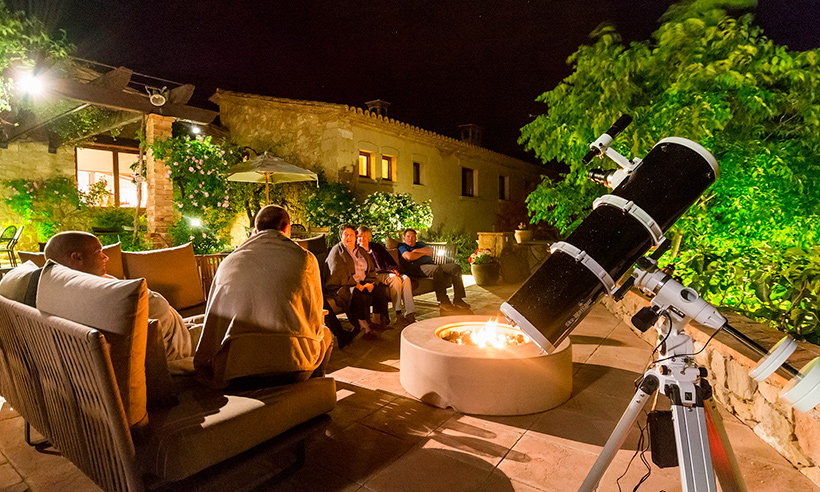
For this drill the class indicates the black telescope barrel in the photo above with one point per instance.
(558, 295)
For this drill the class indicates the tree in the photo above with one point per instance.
(24, 48)
(716, 79)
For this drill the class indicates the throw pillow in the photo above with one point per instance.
(118, 309)
(15, 284)
(173, 272)
(391, 243)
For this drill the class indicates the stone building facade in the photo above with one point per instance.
(468, 185)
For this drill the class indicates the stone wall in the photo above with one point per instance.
(159, 208)
(793, 434)
(31, 160)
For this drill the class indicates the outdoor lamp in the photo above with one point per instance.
(31, 84)
(195, 222)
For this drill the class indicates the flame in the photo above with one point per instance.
(489, 336)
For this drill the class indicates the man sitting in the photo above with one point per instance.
(419, 262)
(263, 324)
(82, 251)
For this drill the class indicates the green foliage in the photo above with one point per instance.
(719, 81)
(197, 169)
(120, 220)
(390, 213)
(330, 205)
(481, 257)
(48, 205)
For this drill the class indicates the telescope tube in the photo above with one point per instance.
(558, 295)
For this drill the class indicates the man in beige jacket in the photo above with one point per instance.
(263, 323)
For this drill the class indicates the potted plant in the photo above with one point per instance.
(484, 267)
(523, 234)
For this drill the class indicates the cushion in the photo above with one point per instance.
(114, 265)
(15, 284)
(172, 272)
(159, 389)
(181, 439)
(39, 259)
(391, 243)
(118, 309)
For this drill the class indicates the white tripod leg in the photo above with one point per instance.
(618, 436)
(694, 456)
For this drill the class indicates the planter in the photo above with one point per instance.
(523, 236)
(486, 274)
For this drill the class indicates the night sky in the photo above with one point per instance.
(440, 63)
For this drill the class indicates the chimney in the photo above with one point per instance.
(471, 134)
(378, 106)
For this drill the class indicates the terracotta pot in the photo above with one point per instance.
(523, 236)
(486, 274)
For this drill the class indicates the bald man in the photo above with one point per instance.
(82, 251)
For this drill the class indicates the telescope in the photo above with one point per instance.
(649, 196)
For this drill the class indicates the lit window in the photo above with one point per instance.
(388, 168)
(416, 173)
(467, 182)
(365, 164)
(503, 187)
(113, 167)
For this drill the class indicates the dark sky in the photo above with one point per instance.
(440, 63)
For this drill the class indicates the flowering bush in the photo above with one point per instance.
(197, 169)
(482, 257)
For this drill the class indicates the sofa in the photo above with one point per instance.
(94, 382)
(182, 277)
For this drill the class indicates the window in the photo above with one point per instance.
(113, 167)
(503, 187)
(365, 164)
(417, 173)
(388, 168)
(467, 182)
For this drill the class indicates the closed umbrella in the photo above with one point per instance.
(269, 169)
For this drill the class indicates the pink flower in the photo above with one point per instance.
(206, 194)
(190, 196)
(35, 185)
(191, 168)
(56, 192)
(204, 236)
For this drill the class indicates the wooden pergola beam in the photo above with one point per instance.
(125, 101)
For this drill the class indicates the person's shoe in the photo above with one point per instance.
(401, 320)
(410, 318)
(370, 336)
(377, 326)
(461, 304)
(446, 308)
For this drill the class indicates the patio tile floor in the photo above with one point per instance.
(384, 440)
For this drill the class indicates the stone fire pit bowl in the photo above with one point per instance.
(515, 380)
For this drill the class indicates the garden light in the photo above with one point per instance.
(31, 84)
(195, 222)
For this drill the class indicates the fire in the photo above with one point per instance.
(488, 335)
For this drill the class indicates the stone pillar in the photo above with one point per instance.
(160, 203)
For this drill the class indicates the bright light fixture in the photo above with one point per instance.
(195, 130)
(30, 84)
(195, 222)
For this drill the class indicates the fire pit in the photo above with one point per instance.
(449, 362)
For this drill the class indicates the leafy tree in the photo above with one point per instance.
(716, 79)
(24, 48)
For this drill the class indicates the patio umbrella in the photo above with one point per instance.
(269, 169)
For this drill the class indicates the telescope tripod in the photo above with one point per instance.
(694, 417)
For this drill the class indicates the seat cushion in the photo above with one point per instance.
(117, 308)
(172, 272)
(114, 265)
(209, 426)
